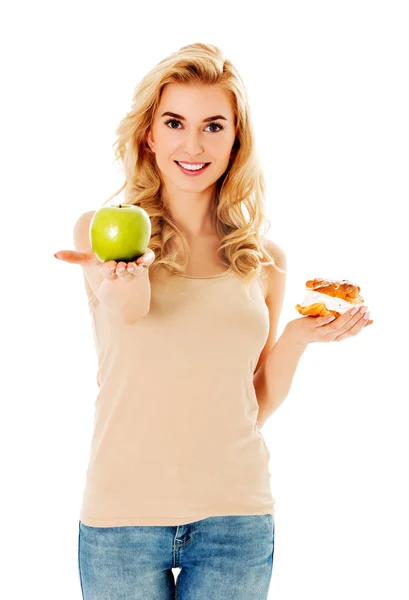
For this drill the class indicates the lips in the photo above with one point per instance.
(192, 172)
(179, 162)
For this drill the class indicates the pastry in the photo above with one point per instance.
(324, 297)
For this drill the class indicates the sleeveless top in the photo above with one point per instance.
(176, 437)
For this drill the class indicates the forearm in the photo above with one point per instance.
(272, 381)
(127, 300)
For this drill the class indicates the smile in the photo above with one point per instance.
(194, 169)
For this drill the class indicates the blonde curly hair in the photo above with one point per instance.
(240, 188)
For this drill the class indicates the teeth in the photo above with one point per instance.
(192, 167)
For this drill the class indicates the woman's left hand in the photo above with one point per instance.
(307, 330)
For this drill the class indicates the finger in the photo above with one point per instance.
(131, 268)
(368, 322)
(146, 259)
(354, 326)
(345, 321)
(122, 271)
(321, 321)
(358, 320)
(141, 266)
(108, 269)
(140, 262)
(86, 256)
(134, 268)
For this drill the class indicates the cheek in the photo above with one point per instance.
(168, 142)
(220, 148)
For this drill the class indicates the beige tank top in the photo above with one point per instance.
(175, 435)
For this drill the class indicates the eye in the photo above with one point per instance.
(217, 125)
(177, 121)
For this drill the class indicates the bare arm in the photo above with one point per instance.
(125, 293)
(274, 378)
(131, 299)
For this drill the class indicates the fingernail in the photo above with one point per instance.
(355, 310)
(331, 318)
(56, 255)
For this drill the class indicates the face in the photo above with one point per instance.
(195, 138)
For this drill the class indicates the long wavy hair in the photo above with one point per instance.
(239, 216)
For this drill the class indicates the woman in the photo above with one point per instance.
(189, 368)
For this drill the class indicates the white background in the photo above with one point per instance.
(328, 89)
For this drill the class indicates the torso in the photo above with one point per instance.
(204, 260)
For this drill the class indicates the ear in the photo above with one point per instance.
(149, 141)
(233, 150)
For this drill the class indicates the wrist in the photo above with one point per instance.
(294, 339)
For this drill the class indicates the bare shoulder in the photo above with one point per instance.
(81, 230)
(273, 276)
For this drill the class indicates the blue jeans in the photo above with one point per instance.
(220, 558)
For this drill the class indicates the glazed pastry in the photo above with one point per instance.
(330, 297)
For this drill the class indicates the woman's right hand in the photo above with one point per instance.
(110, 269)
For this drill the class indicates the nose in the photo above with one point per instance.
(193, 145)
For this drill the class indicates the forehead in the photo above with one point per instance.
(195, 101)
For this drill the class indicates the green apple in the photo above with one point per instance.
(120, 232)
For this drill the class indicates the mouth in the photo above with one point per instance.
(193, 171)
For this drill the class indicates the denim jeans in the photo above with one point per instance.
(220, 558)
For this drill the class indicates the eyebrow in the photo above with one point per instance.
(171, 114)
